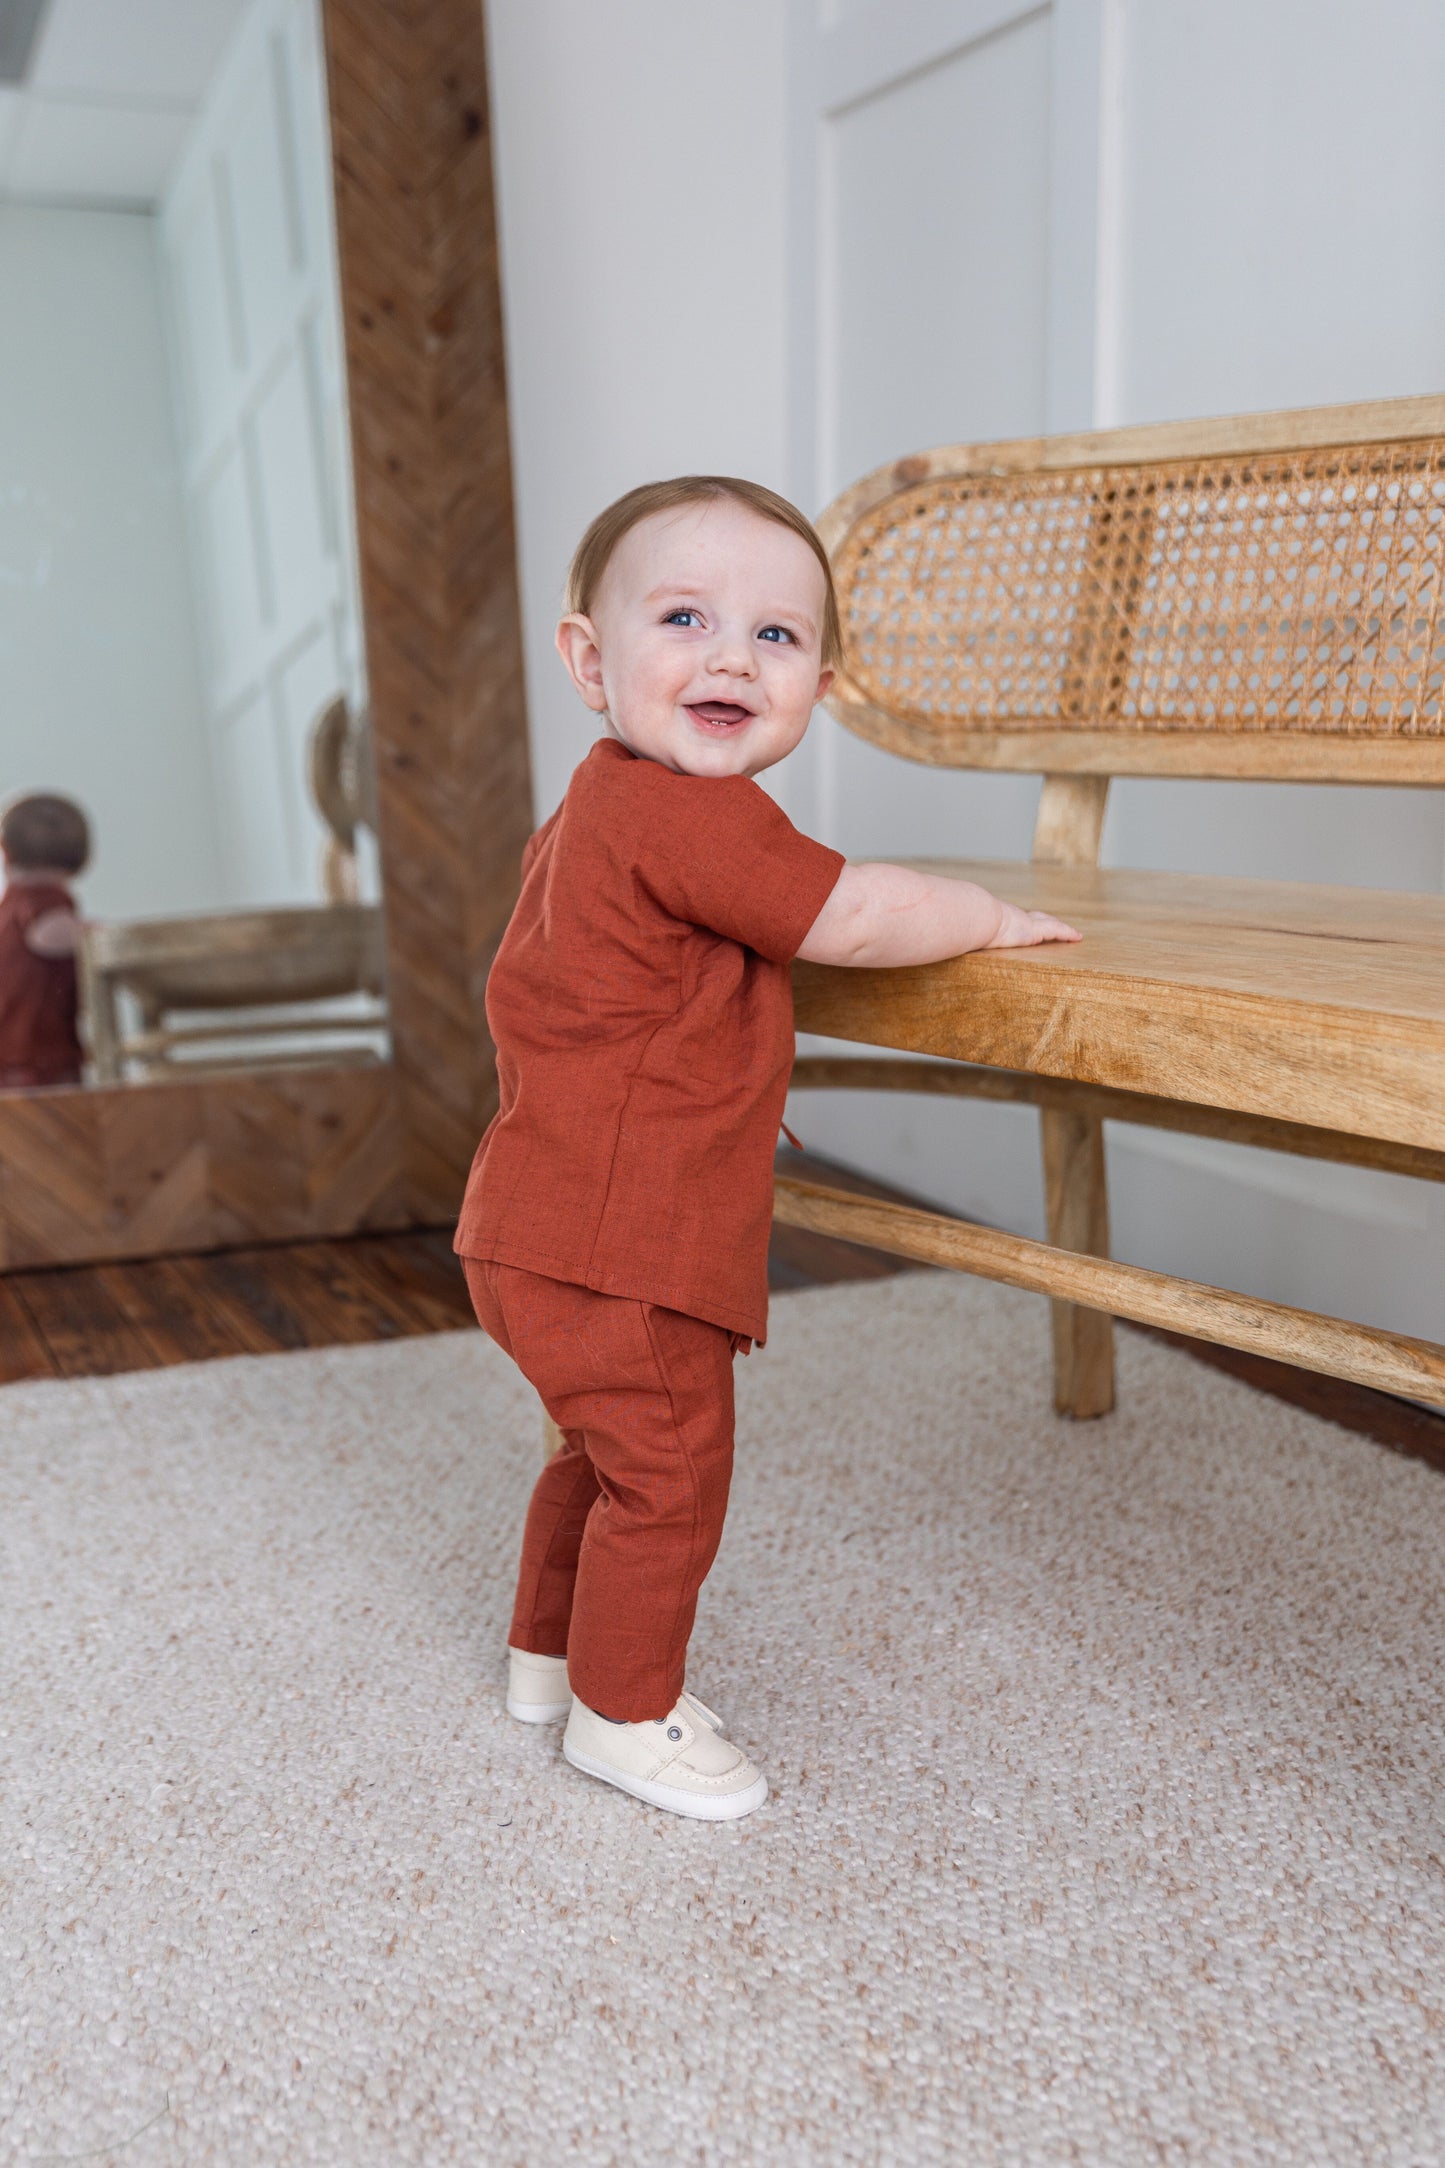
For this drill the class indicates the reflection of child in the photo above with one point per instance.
(44, 844)
(615, 1226)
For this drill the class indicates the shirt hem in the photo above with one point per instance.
(612, 1283)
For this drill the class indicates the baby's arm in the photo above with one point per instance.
(881, 916)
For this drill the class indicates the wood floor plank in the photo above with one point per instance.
(435, 1244)
(245, 1290)
(23, 1352)
(335, 1300)
(83, 1327)
(165, 1299)
(423, 1286)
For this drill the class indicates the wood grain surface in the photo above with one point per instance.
(1316, 1005)
(1368, 421)
(416, 223)
(1069, 824)
(1034, 750)
(1068, 830)
(1076, 1214)
(1388, 1362)
(143, 1170)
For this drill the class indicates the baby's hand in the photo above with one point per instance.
(1027, 929)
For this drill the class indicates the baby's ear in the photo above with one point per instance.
(825, 679)
(578, 648)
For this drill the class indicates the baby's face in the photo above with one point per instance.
(704, 647)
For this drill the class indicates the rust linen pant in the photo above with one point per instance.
(624, 1521)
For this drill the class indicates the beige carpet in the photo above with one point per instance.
(1108, 1763)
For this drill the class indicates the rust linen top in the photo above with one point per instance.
(38, 1041)
(642, 1009)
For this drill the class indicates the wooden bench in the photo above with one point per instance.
(1260, 598)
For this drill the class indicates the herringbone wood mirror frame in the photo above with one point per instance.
(135, 1171)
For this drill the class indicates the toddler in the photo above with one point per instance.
(615, 1227)
(44, 844)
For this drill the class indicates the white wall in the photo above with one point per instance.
(99, 678)
(248, 244)
(798, 240)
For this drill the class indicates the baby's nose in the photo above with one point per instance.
(734, 657)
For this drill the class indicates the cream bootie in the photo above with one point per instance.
(538, 1692)
(680, 1762)
(537, 1689)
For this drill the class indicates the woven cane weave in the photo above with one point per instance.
(1291, 593)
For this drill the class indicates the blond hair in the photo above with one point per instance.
(42, 832)
(595, 550)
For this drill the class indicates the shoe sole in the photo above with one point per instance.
(696, 1806)
(539, 1712)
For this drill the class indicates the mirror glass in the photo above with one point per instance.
(181, 655)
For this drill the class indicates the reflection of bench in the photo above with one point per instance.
(253, 978)
(1258, 598)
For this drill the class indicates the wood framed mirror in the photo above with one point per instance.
(220, 1159)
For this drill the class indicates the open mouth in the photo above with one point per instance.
(720, 714)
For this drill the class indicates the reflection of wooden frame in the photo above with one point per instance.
(137, 1171)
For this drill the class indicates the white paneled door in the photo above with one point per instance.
(1006, 218)
(248, 246)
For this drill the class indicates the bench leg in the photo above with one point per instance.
(1076, 1202)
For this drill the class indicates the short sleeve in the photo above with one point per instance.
(718, 852)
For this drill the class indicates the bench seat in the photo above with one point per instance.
(1322, 1006)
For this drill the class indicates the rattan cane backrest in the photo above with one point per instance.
(1264, 597)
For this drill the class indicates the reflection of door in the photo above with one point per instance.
(248, 249)
(1007, 218)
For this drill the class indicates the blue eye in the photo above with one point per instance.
(675, 617)
(776, 633)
